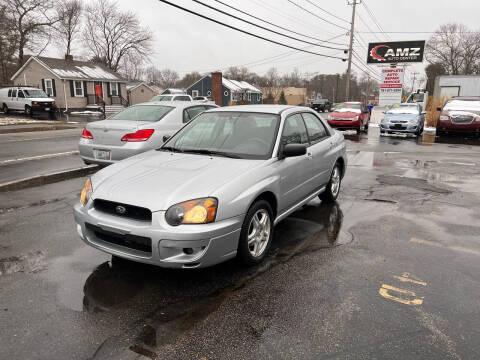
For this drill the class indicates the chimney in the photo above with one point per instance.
(217, 88)
(68, 57)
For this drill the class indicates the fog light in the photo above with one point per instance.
(188, 251)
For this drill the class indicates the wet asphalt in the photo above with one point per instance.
(389, 271)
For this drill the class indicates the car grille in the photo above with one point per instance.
(461, 119)
(342, 119)
(131, 212)
(135, 242)
(398, 121)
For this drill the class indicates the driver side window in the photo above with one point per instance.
(294, 131)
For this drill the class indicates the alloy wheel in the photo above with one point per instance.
(335, 181)
(259, 232)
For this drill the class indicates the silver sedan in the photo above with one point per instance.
(136, 129)
(215, 190)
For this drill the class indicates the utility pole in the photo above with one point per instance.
(413, 82)
(350, 48)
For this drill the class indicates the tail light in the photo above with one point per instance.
(140, 135)
(86, 134)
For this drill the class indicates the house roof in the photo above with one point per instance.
(132, 85)
(73, 69)
(234, 85)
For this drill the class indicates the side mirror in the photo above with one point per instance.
(166, 137)
(291, 150)
(439, 108)
(424, 112)
(384, 112)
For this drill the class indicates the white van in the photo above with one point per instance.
(28, 99)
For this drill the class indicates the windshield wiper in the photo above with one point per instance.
(170, 148)
(211, 152)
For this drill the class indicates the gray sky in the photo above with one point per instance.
(185, 42)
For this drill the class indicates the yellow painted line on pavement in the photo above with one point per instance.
(386, 289)
(38, 157)
(454, 248)
(406, 278)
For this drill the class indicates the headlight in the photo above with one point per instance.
(356, 118)
(413, 121)
(34, 103)
(86, 192)
(444, 118)
(198, 211)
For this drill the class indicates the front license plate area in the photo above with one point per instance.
(101, 154)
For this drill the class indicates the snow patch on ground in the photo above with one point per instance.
(86, 112)
(22, 121)
(429, 130)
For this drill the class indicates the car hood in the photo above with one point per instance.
(400, 117)
(158, 179)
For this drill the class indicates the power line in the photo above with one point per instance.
(249, 33)
(366, 25)
(278, 26)
(364, 71)
(329, 13)
(264, 28)
(317, 16)
(374, 18)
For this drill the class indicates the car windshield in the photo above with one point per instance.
(403, 109)
(162, 98)
(35, 94)
(348, 107)
(462, 105)
(417, 97)
(142, 113)
(231, 134)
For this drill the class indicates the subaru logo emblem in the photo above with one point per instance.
(120, 210)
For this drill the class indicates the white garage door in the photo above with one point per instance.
(449, 91)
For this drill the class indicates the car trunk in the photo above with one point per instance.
(110, 132)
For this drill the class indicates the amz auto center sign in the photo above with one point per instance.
(391, 87)
(395, 52)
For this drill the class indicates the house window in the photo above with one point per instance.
(209, 93)
(49, 87)
(114, 89)
(194, 93)
(78, 87)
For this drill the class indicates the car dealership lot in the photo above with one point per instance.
(390, 271)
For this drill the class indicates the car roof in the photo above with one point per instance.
(471, 98)
(260, 108)
(175, 103)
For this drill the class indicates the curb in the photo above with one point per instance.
(39, 180)
(35, 128)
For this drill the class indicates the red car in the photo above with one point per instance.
(460, 114)
(350, 116)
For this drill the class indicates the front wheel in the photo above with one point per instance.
(256, 234)
(333, 187)
(28, 110)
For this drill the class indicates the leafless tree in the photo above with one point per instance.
(113, 34)
(188, 79)
(69, 13)
(132, 67)
(455, 48)
(168, 78)
(32, 22)
(8, 45)
(271, 83)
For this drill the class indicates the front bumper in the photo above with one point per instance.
(184, 246)
(447, 125)
(43, 108)
(117, 152)
(345, 124)
(411, 128)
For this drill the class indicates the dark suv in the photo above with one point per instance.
(321, 105)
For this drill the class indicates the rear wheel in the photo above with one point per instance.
(256, 234)
(333, 187)
(5, 109)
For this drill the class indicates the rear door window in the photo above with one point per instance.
(14, 93)
(191, 112)
(10, 93)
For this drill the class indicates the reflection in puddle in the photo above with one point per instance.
(178, 299)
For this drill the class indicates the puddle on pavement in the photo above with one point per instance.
(31, 262)
(178, 299)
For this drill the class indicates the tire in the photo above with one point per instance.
(28, 110)
(260, 238)
(119, 262)
(5, 109)
(333, 187)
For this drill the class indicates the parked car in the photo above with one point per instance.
(460, 114)
(173, 97)
(215, 190)
(136, 129)
(350, 116)
(321, 105)
(28, 99)
(403, 118)
(202, 98)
